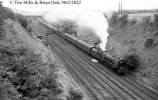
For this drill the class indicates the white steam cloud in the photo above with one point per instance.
(94, 20)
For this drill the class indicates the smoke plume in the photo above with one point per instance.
(92, 19)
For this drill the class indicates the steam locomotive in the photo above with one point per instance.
(103, 56)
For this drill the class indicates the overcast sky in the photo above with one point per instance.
(85, 5)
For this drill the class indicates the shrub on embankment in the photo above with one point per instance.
(123, 20)
(132, 62)
(4, 14)
(114, 19)
(23, 21)
(22, 74)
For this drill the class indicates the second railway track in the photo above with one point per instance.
(101, 83)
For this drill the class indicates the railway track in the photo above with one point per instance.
(145, 91)
(88, 81)
(109, 85)
(101, 83)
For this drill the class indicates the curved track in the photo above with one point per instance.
(98, 81)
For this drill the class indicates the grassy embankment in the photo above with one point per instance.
(135, 40)
(25, 70)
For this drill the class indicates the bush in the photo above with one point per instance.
(13, 32)
(132, 62)
(4, 14)
(75, 95)
(114, 19)
(149, 43)
(23, 21)
(30, 29)
(10, 14)
(156, 19)
(133, 22)
(68, 26)
(2, 32)
(146, 20)
(123, 20)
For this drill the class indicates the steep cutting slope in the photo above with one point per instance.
(13, 27)
(137, 38)
(17, 35)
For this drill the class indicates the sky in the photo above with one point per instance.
(93, 5)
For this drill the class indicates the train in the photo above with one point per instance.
(119, 66)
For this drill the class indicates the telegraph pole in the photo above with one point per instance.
(120, 9)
